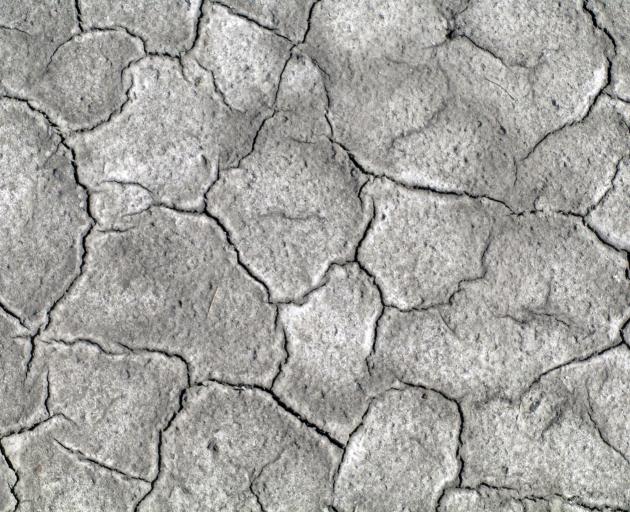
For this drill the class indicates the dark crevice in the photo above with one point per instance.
(79, 15)
(250, 272)
(14, 29)
(236, 386)
(283, 405)
(124, 183)
(285, 348)
(616, 97)
(165, 353)
(458, 35)
(29, 103)
(13, 470)
(121, 28)
(593, 17)
(34, 426)
(31, 354)
(47, 315)
(552, 316)
(47, 398)
(123, 350)
(228, 236)
(145, 43)
(368, 225)
(82, 237)
(253, 21)
(597, 95)
(458, 480)
(377, 321)
(86, 458)
(624, 326)
(582, 219)
(99, 30)
(309, 20)
(372, 277)
(52, 55)
(252, 148)
(80, 341)
(219, 92)
(601, 239)
(591, 229)
(256, 496)
(604, 438)
(257, 474)
(562, 127)
(423, 308)
(429, 189)
(13, 314)
(271, 114)
(610, 187)
(3, 453)
(549, 499)
(302, 419)
(576, 360)
(197, 31)
(116, 112)
(459, 287)
(356, 429)
(305, 297)
(325, 78)
(154, 480)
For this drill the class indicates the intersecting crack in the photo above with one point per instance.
(324, 255)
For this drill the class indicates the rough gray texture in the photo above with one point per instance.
(314, 256)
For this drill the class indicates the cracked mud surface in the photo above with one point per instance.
(314, 255)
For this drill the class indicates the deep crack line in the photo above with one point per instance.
(7, 459)
(91, 460)
(604, 439)
(459, 478)
(239, 259)
(245, 261)
(309, 20)
(280, 403)
(573, 361)
(422, 188)
(236, 386)
(79, 15)
(13, 470)
(82, 244)
(13, 314)
(250, 19)
(124, 350)
(517, 495)
(351, 436)
(153, 482)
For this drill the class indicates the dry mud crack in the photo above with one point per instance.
(314, 255)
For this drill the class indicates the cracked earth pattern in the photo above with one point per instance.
(314, 255)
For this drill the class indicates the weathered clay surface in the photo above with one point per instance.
(43, 213)
(54, 476)
(570, 418)
(336, 328)
(105, 396)
(402, 455)
(239, 450)
(314, 255)
(184, 294)
(165, 26)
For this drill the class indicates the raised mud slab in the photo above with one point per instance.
(314, 256)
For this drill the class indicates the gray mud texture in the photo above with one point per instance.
(314, 256)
